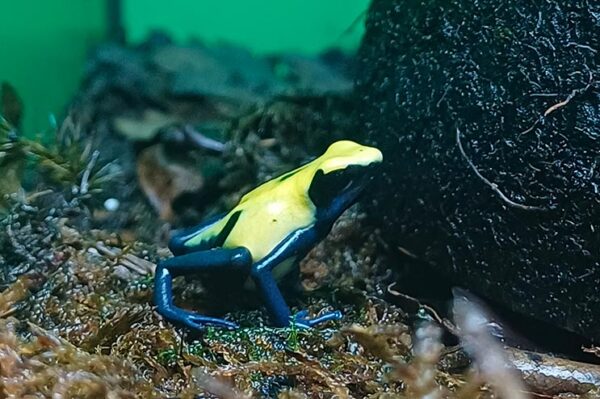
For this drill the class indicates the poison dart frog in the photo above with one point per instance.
(268, 232)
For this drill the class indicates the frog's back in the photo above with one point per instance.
(267, 220)
(262, 219)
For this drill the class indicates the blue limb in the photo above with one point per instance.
(180, 237)
(202, 261)
(301, 319)
(278, 308)
(295, 245)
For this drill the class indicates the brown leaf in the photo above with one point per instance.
(376, 339)
(216, 386)
(145, 127)
(15, 293)
(110, 330)
(163, 180)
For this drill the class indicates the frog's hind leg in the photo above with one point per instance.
(297, 243)
(201, 261)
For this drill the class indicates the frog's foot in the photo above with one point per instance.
(194, 320)
(301, 320)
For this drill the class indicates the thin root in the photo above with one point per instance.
(493, 186)
(559, 105)
(567, 100)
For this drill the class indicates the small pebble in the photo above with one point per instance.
(111, 204)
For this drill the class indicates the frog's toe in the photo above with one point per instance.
(301, 314)
(197, 321)
(301, 320)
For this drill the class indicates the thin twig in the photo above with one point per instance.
(567, 100)
(551, 375)
(584, 46)
(561, 104)
(431, 311)
(36, 195)
(437, 104)
(493, 186)
(203, 141)
(83, 188)
(529, 129)
(543, 95)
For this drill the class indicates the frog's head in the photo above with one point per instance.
(342, 173)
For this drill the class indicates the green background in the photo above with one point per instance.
(44, 43)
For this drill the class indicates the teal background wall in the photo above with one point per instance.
(263, 26)
(43, 44)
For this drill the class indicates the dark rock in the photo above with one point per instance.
(223, 72)
(515, 215)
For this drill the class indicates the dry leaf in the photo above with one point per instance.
(146, 127)
(163, 180)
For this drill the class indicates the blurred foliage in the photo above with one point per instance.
(67, 162)
(11, 105)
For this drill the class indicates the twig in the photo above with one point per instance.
(83, 188)
(130, 261)
(529, 129)
(567, 100)
(551, 375)
(36, 195)
(137, 264)
(584, 46)
(543, 95)
(493, 186)
(203, 141)
(561, 104)
(437, 104)
(447, 324)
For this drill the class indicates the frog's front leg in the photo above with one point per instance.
(297, 243)
(278, 308)
(179, 240)
(201, 261)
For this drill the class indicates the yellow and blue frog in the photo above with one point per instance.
(268, 232)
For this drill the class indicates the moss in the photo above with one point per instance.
(293, 343)
(167, 357)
